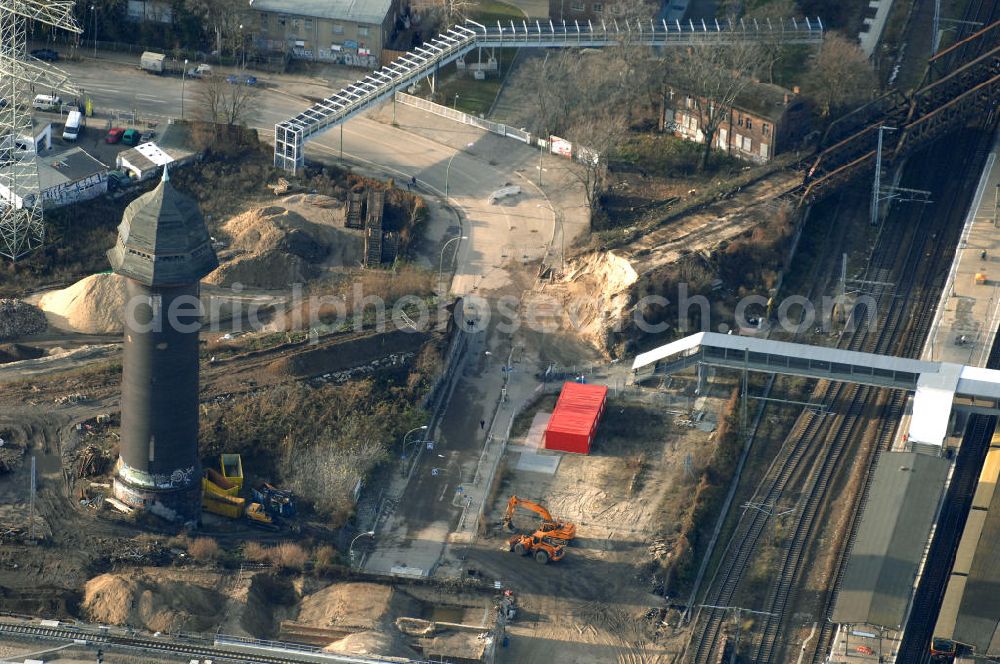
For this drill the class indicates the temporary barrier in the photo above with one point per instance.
(574, 420)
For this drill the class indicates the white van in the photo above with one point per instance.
(46, 103)
(73, 126)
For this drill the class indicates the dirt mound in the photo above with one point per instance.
(338, 605)
(596, 293)
(144, 602)
(271, 247)
(94, 305)
(19, 319)
(389, 644)
(18, 352)
(348, 354)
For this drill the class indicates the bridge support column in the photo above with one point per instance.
(701, 380)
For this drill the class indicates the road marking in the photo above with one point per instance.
(443, 491)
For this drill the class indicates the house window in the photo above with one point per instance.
(362, 31)
(597, 7)
(295, 24)
(749, 123)
(308, 24)
(763, 150)
(747, 144)
(739, 121)
(338, 28)
(766, 129)
(688, 102)
(576, 6)
(263, 20)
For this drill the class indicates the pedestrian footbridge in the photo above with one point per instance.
(425, 60)
(939, 387)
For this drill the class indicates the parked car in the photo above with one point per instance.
(45, 54)
(147, 136)
(200, 71)
(242, 79)
(3, 103)
(117, 179)
(131, 137)
(114, 135)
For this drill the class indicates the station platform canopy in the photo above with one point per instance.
(878, 579)
(938, 387)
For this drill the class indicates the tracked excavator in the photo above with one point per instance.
(559, 532)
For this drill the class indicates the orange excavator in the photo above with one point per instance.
(538, 546)
(559, 532)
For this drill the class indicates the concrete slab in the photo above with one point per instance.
(537, 430)
(538, 463)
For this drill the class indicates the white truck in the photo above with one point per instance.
(74, 122)
(152, 62)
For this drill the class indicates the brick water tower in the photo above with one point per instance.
(163, 250)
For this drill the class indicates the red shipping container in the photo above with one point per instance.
(574, 420)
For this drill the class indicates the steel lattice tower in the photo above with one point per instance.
(21, 228)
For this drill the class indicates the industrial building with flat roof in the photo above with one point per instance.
(970, 611)
(896, 525)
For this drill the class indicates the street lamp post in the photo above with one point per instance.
(418, 441)
(243, 47)
(441, 260)
(183, 79)
(93, 10)
(455, 104)
(350, 549)
(407, 435)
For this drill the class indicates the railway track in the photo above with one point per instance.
(105, 639)
(912, 299)
(914, 304)
(805, 439)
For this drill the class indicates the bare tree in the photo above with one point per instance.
(226, 104)
(594, 141)
(712, 77)
(841, 76)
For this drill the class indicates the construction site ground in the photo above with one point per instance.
(597, 604)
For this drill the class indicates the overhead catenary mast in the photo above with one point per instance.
(21, 227)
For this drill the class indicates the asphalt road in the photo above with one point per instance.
(464, 167)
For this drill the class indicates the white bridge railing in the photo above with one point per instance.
(426, 59)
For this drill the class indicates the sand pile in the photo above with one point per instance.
(390, 644)
(269, 248)
(362, 605)
(596, 293)
(93, 305)
(19, 318)
(143, 602)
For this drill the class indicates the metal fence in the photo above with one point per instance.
(458, 116)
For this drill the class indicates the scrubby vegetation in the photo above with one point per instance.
(748, 264)
(320, 441)
(697, 515)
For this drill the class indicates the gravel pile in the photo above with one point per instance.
(18, 319)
